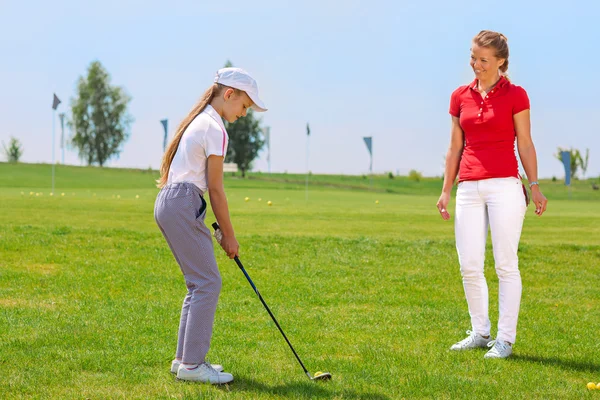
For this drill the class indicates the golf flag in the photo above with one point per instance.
(164, 123)
(307, 149)
(369, 142)
(566, 159)
(55, 102)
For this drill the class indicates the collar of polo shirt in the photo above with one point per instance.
(501, 82)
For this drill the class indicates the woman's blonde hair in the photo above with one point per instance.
(205, 100)
(498, 42)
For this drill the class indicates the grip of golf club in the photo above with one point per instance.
(236, 259)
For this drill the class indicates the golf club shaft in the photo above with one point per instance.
(239, 263)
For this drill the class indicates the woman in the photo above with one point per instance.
(191, 166)
(487, 116)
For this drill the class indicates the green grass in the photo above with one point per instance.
(90, 294)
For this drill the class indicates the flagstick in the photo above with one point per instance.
(371, 170)
(369, 142)
(307, 148)
(53, 119)
(62, 137)
(269, 155)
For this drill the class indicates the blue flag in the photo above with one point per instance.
(566, 159)
(164, 123)
(369, 142)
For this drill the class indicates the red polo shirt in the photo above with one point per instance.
(489, 130)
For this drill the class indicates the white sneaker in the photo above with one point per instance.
(175, 366)
(203, 373)
(473, 341)
(500, 349)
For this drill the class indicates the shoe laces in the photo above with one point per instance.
(498, 346)
(213, 371)
(469, 339)
(209, 366)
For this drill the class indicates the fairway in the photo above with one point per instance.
(90, 294)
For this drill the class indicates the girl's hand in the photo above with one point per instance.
(442, 205)
(230, 245)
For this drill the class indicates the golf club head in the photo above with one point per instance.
(321, 376)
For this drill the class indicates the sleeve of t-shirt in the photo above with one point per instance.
(215, 142)
(521, 100)
(455, 104)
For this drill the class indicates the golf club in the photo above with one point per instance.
(322, 376)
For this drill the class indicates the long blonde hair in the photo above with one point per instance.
(205, 100)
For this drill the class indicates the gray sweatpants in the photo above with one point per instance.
(179, 212)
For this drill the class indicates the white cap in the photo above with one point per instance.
(239, 79)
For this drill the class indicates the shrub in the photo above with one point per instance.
(14, 151)
(415, 175)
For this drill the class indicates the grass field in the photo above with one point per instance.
(90, 294)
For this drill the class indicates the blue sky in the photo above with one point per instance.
(350, 68)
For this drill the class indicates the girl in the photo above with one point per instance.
(487, 116)
(191, 166)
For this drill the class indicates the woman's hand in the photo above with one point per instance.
(539, 200)
(442, 205)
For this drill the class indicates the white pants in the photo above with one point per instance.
(499, 202)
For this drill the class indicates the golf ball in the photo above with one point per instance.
(598, 386)
(376, 201)
(591, 386)
(247, 198)
(259, 199)
(270, 203)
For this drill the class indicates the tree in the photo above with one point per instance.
(583, 163)
(100, 118)
(14, 151)
(577, 161)
(245, 139)
(574, 163)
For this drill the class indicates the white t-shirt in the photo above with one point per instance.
(205, 136)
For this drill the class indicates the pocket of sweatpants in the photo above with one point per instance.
(200, 209)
